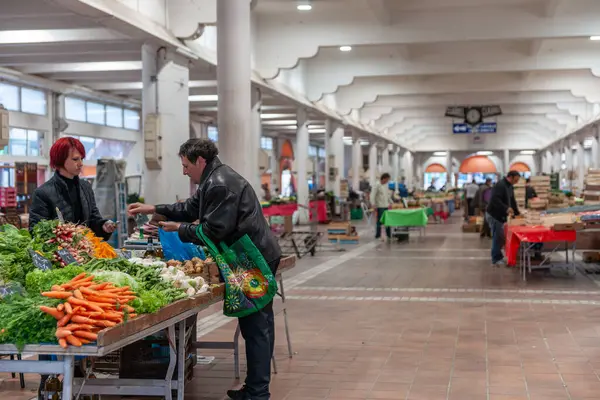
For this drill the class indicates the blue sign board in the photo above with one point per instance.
(485, 127)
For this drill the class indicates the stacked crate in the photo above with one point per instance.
(8, 197)
(541, 185)
(519, 189)
(591, 192)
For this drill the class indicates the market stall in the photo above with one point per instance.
(320, 206)
(404, 220)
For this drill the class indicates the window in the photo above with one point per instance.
(266, 143)
(9, 96)
(312, 151)
(75, 109)
(213, 133)
(96, 148)
(114, 116)
(94, 113)
(23, 142)
(33, 101)
(321, 152)
(132, 120)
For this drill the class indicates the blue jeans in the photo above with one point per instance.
(497, 229)
(388, 231)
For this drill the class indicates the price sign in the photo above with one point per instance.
(40, 261)
(123, 254)
(66, 257)
(6, 290)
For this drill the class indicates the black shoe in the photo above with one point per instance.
(238, 394)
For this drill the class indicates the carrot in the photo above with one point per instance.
(72, 340)
(85, 284)
(62, 342)
(84, 341)
(61, 307)
(88, 314)
(78, 295)
(86, 335)
(79, 319)
(52, 311)
(63, 333)
(57, 288)
(78, 277)
(127, 308)
(78, 327)
(99, 287)
(102, 300)
(103, 323)
(84, 303)
(132, 315)
(57, 295)
(83, 280)
(64, 320)
(68, 308)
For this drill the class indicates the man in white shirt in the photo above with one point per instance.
(471, 190)
(381, 202)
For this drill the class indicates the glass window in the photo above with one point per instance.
(132, 120)
(75, 109)
(114, 116)
(9, 96)
(321, 152)
(94, 113)
(33, 101)
(33, 143)
(312, 151)
(213, 133)
(88, 143)
(266, 143)
(17, 143)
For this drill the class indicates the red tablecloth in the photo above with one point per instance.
(289, 209)
(532, 234)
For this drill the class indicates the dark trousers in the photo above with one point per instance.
(388, 231)
(470, 208)
(258, 331)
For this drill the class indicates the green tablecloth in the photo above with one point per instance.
(405, 217)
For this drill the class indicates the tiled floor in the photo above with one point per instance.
(429, 319)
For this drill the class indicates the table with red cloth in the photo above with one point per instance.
(289, 209)
(516, 236)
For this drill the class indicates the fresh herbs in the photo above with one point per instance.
(22, 322)
(39, 281)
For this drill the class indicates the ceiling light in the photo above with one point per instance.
(281, 122)
(276, 116)
(440, 154)
(317, 130)
(485, 153)
(204, 97)
(345, 48)
(594, 37)
(587, 143)
(527, 152)
(304, 7)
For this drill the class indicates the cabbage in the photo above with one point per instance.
(118, 278)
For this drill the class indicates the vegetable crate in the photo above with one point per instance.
(8, 197)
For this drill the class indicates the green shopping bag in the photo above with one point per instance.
(249, 282)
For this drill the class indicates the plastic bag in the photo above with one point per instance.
(174, 249)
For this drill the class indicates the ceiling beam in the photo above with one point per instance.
(381, 11)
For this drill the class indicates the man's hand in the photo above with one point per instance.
(109, 227)
(140, 208)
(510, 212)
(169, 226)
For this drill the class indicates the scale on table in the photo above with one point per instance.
(140, 243)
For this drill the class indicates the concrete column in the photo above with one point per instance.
(329, 129)
(256, 134)
(165, 92)
(506, 161)
(595, 150)
(396, 166)
(356, 160)
(569, 163)
(557, 152)
(337, 142)
(234, 45)
(449, 169)
(385, 158)
(302, 143)
(372, 162)
(580, 167)
(275, 172)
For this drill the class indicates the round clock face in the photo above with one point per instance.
(473, 116)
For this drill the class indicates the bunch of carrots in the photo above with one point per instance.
(101, 248)
(88, 308)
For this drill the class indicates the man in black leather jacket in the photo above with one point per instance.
(228, 208)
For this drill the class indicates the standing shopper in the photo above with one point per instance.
(471, 190)
(73, 197)
(483, 199)
(228, 209)
(502, 204)
(381, 201)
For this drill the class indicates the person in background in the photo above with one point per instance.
(402, 189)
(381, 202)
(471, 190)
(73, 197)
(502, 205)
(227, 208)
(530, 192)
(266, 192)
(482, 200)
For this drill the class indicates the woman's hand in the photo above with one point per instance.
(168, 226)
(109, 227)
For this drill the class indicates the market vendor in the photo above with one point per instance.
(228, 209)
(73, 197)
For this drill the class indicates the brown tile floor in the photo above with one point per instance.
(429, 320)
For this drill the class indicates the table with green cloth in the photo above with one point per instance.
(405, 219)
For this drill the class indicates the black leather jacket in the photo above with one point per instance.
(54, 194)
(227, 207)
(503, 198)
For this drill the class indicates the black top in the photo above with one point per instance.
(227, 207)
(75, 200)
(503, 198)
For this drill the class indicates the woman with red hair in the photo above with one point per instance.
(74, 198)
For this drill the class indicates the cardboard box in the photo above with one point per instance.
(281, 224)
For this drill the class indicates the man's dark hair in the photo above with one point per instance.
(385, 176)
(194, 148)
(511, 174)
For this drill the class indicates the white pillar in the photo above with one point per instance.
(329, 129)
(385, 158)
(256, 134)
(580, 167)
(506, 161)
(449, 169)
(557, 152)
(372, 162)
(337, 142)
(569, 162)
(396, 167)
(166, 92)
(595, 153)
(302, 143)
(234, 45)
(356, 160)
(275, 173)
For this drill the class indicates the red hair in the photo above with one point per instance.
(59, 152)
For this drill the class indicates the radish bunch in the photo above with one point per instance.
(73, 238)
